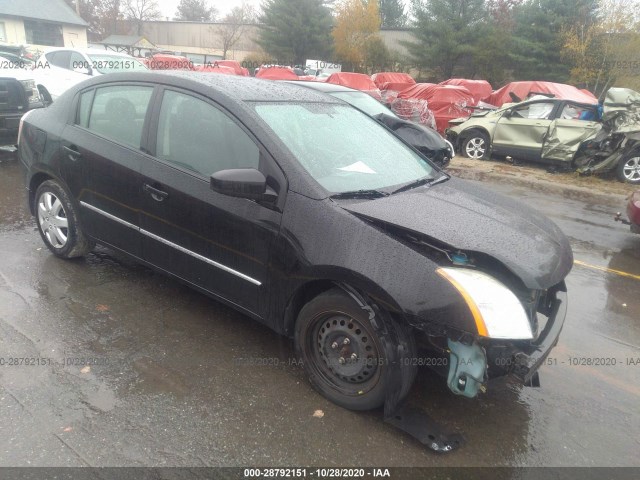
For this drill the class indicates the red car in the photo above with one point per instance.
(633, 212)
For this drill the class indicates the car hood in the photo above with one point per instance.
(470, 218)
(17, 73)
(419, 136)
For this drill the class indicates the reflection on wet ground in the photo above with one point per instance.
(140, 370)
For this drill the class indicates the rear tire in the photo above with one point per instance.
(476, 146)
(628, 169)
(58, 222)
(344, 355)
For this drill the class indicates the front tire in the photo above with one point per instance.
(345, 357)
(46, 96)
(476, 146)
(58, 222)
(628, 169)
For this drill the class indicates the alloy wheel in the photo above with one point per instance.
(52, 219)
(631, 169)
(476, 147)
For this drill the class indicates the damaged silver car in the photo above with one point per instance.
(589, 138)
(616, 145)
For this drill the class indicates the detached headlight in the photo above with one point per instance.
(452, 150)
(31, 89)
(496, 310)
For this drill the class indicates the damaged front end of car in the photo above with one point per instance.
(515, 327)
(617, 145)
(496, 298)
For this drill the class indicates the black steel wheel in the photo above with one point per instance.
(344, 355)
(58, 223)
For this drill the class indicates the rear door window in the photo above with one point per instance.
(60, 58)
(118, 112)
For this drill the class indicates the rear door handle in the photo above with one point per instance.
(73, 153)
(156, 194)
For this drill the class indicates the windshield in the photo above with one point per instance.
(343, 149)
(364, 102)
(114, 63)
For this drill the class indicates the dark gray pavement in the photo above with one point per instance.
(168, 388)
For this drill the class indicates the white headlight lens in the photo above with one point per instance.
(451, 149)
(497, 311)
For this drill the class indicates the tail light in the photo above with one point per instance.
(22, 119)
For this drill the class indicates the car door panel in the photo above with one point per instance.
(565, 137)
(110, 193)
(217, 242)
(521, 130)
(520, 136)
(105, 157)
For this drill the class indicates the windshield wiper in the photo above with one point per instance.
(361, 194)
(422, 181)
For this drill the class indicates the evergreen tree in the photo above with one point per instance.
(536, 52)
(296, 30)
(392, 14)
(195, 11)
(448, 34)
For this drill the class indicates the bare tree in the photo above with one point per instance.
(140, 11)
(234, 25)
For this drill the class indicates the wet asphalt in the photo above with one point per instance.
(172, 382)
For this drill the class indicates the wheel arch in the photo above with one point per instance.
(360, 289)
(467, 133)
(35, 181)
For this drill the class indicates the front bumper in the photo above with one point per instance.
(533, 354)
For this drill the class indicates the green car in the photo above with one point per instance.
(540, 129)
(560, 132)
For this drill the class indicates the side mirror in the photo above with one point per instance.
(83, 70)
(508, 113)
(243, 183)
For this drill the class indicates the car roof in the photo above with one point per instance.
(323, 86)
(543, 98)
(87, 51)
(235, 87)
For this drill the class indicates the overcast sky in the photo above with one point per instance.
(168, 7)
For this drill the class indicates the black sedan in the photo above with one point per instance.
(424, 139)
(307, 215)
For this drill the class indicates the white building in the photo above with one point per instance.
(42, 23)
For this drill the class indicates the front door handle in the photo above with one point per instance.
(73, 153)
(156, 194)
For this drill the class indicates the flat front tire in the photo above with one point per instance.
(58, 222)
(344, 355)
(476, 146)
